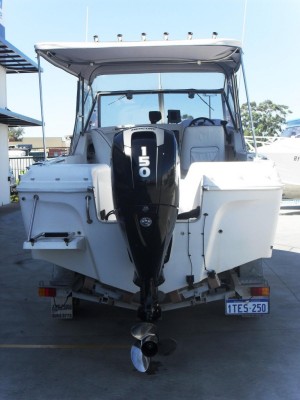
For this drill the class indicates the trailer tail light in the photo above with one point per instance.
(47, 292)
(260, 291)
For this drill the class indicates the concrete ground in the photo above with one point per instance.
(217, 357)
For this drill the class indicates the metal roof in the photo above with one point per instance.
(13, 60)
(13, 119)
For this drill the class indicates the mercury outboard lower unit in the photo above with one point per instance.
(146, 196)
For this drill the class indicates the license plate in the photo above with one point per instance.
(246, 306)
(62, 307)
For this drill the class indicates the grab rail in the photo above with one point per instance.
(35, 200)
(88, 218)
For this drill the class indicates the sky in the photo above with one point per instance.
(268, 29)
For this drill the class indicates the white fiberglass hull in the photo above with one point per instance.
(238, 201)
(285, 152)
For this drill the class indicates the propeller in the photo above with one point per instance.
(147, 345)
(140, 362)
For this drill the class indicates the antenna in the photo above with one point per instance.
(244, 21)
(86, 23)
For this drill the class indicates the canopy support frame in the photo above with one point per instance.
(41, 105)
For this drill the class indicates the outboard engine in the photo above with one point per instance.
(146, 196)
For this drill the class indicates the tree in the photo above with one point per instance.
(268, 118)
(186, 116)
(15, 134)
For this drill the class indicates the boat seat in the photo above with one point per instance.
(101, 175)
(202, 143)
(102, 142)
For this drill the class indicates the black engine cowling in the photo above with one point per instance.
(146, 196)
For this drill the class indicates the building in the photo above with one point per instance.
(37, 142)
(12, 61)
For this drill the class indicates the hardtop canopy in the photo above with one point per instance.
(90, 59)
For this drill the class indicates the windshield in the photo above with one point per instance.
(133, 108)
(294, 122)
(127, 100)
(177, 80)
(293, 131)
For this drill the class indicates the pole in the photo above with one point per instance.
(249, 107)
(41, 103)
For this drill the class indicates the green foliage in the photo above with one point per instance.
(15, 134)
(186, 116)
(268, 118)
(14, 198)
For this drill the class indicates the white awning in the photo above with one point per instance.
(89, 59)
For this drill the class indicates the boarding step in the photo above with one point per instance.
(55, 241)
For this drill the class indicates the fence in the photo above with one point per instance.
(260, 141)
(20, 165)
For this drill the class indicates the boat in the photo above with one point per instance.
(157, 206)
(285, 152)
(292, 128)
